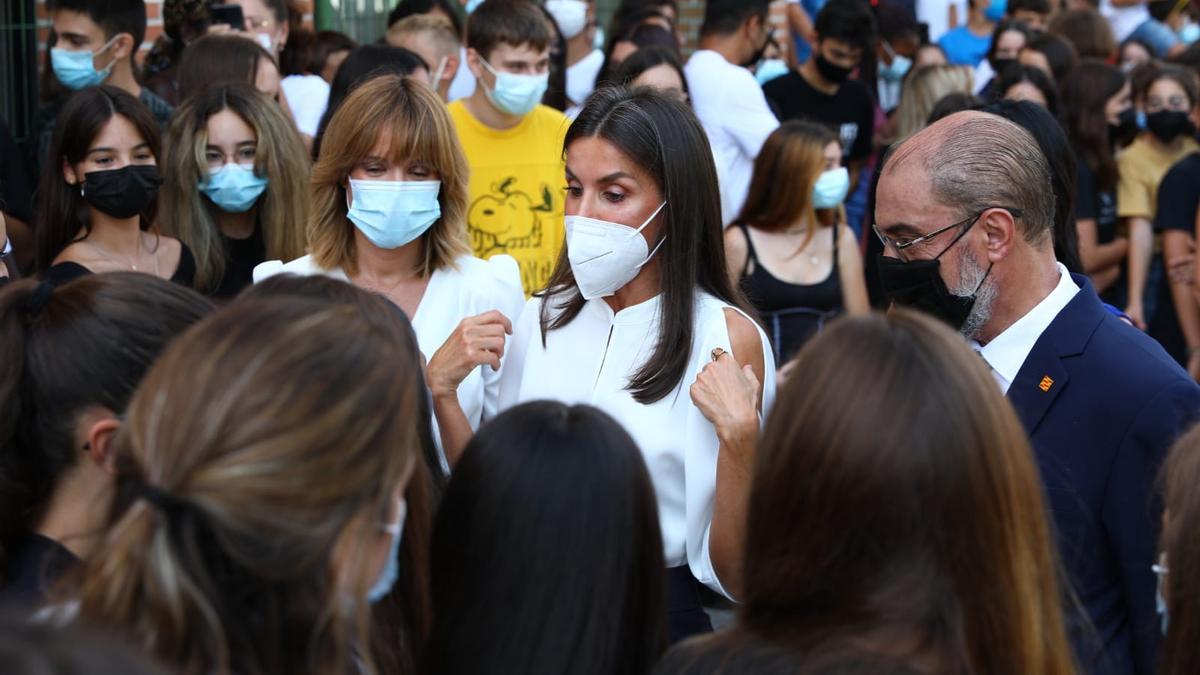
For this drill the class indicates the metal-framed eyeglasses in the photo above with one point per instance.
(901, 245)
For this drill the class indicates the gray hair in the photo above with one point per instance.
(976, 161)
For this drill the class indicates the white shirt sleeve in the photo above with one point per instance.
(749, 119)
(509, 299)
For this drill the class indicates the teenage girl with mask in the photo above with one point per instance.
(638, 314)
(236, 185)
(1165, 95)
(791, 251)
(98, 195)
(389, 207)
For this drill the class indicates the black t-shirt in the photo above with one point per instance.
(241, 257)
(850, 112)
(37, 564)
(1179, 196)
(63, 272)
(1093, 204)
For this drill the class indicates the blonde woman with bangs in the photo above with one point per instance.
(235, 187)
(389, 209)
(790, 249)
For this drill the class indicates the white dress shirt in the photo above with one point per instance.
(475, 287)
(307, 96)
(733, 109)
(591, 360)
(1006, 353)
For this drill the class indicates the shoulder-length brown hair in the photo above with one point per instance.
(282, 210)
(904, 520)
(785, 171)
(419, 128)
(259, 440)
(1180, 476)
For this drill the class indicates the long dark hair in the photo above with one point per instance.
(62, 215)
(214, 59)
(922, 543)
(1053, 143)
(547, 556)
(87, 343)
(662, 136)
(1180, 473)
(1085, 92)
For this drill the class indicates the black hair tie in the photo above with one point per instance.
(165, 503)
(37, 301)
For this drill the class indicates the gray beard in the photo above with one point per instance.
(971, 281)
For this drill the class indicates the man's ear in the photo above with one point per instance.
(1001, 230)
(123, 47)
(451, 69)
(475, 63)
(99, 445)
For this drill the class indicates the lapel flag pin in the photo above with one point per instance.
(1046, 383)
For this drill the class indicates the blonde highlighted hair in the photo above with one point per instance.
(260, 441)
(922, 91)
(280, 157)
(415, 121)
(785, 171)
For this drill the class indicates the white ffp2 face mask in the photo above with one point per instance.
(570, 15)
(605, 256)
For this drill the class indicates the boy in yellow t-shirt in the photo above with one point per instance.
(512, 142)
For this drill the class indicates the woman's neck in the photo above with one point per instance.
(120, 236)
(78, 509)
(238, 225)
(646, 285)
(381, 264)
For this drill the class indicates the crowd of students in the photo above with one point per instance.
(513, 343)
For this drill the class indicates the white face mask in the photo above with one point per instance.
(570, 15)
(605, 256)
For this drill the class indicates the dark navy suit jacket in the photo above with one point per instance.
(1102, 403)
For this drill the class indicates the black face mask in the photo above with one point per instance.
(918, 284)
(1125, 128)
(832, 72)
(999, 65)
(1167, 125)
(758, 54)
(121, 193)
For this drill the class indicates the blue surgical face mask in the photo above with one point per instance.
(392, 213)
(996, 10)
(1189, 33)
(76, 70)
(897, 69)
(1141, 120)
(1160, 600)
(515, 94)
(770, 69)
(473, 5)
(831, 188)
(391, 569)
(234, 188)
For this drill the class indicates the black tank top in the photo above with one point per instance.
(792, 313)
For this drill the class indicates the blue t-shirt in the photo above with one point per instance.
(964, 48)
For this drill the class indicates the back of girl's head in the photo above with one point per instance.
(1059, 53)
(1056, 147)
(214, 59)
(922, 90)
(363, 63)
(662, 137)
(1087, 30)
(1085, 93)
(258, 439)
(1016, 74)
(62, 212)
(420, 130)
(279, 156)
(83, 345)
(796, 150)
(547, 556)
(1180, 475)
(908, 512)
(646, 58)
(952, 103)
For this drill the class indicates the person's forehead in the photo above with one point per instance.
(70, 21)
(255, 8)
(524, 52)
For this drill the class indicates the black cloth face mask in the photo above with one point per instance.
(1167, 125)
(121, 193)
(918, 284)
(831, 71)
(1125, 128)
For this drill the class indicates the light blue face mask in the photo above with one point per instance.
(473, 5)
(391, 569)
(392, 213)
(996, 10)
(770, 69)
(1141, 120)
(515, 94)
(233, 188)
(76, 70)
(831, 188)
(896, 70)
(1189, 33)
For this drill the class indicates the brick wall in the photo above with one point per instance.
(154, 25)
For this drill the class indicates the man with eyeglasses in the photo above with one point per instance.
(965, 213)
